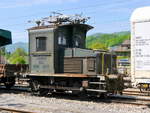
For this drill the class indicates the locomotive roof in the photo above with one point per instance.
(5, 37)
(85, 26)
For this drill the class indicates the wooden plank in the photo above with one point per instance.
(60, 75)
(97, 90)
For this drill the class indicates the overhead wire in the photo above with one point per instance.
(84, 7)
(67, 9)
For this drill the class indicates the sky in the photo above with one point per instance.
(107, 16)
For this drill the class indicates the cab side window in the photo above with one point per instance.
(61, 40)
(77, 40)
(41, 43)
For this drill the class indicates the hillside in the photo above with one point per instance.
(107, 40)
(11, 48)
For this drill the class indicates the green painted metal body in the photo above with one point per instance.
(66, 57)
(57, 39)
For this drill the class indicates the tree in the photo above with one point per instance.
(108, 40)
(98, 46)
(18, 57)
(2, 51)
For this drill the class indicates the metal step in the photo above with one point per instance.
(99, 83)
(97, 90)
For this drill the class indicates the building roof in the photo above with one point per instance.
(5, 37)
(140, 14)
(126, 42)
(122, 49)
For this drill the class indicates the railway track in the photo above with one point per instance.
(16, 90)
(130, 100)
(136, 92)
(8, 110)
(133, 97)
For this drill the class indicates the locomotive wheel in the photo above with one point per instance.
(145, 87)
(83, 95)
(9, 82)
(102, 96)
(43, 92)
(36, 90)
(9, 85)
(34, 85)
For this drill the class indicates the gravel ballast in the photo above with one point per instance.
(61, 105)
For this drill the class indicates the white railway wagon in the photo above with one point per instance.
(140, 46)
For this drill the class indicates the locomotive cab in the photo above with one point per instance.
(47, 45)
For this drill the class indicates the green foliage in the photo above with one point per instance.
(98, 46)
(18, 60)
(107, 40)
(18, 57)
(2, 51)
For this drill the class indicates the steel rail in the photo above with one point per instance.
(14, 110)
(134, 100)
(136, 93)
(121, 99)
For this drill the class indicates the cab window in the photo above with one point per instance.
(40, 43)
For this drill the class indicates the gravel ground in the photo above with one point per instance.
(61, 105)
